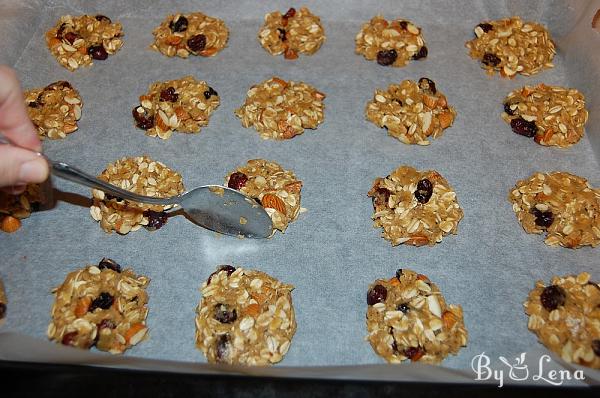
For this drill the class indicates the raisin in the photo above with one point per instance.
(104, 301)
(33, 104)
(180, 25)
(398, 273)
(103, 18)
(381, 197)
(403, 307)
(414, 353)
(2, 310)
(227, 268)
(156, 219)
(281, 34)
(109, 264)
(403, 24)
(197, 43)
(486, 27)
(237, 180)
(377, 294)
(596, 347)
(508, 110)
(543, 219)
(61, 29)
(490, 59)
(69, 339)
(71, 37)
(98, 52)
(169, 95)
(106, 324)
(424, 191)
(290, 13)
(427, 85)
(210, 92)
(143, 120)
(552, 297)
(58, 84)
(223, 315)
(386, 57)
(422, 53)
(222, 349)
(523, 127)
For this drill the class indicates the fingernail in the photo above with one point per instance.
(33, 171)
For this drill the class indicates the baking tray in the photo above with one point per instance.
(331, 253)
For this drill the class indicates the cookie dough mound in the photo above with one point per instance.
(411, 111)
(54, 109)
(390, 43)
(291, 34)
(17, 207)
(77, 41)
(414, 207)
(140, 175)
(408, 318)
(553, 115)
(100, 305)
(195, 34)
(184, 105)
(281, 110)
(276, 189)
(563, 205)
(245, 317)
(512, 46)
(565, 316)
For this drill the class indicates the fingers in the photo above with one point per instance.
(14, 122)
(21, 166)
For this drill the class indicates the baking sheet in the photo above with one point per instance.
(332, 253)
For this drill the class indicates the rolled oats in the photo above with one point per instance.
(414, 207)
(245, 317)
(512, 46)
(563, 205)
(140, 175)
(565, 316)
(557, 114)
(390, 43)
(3, 303)
(76, 41)
(408, 318)
(184, 105)
(100, 305)
(54, 109)
(277, 189)
(18, 207)
(410, 111)
(183, 35)
(292, 34)
(281, 110)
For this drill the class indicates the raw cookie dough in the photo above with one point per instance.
(54, 109)
(100, 305)
(245, 317)
(17, 207)
(140, 175)
(291, 34)
(195, 34)
(184, 105)
(553, 115)
(563, 205)
(276, 189)
(390, 43)
(3, 303)
(281, 110)
(414, 207)
(408, 318)
(512, 46)
(411, 111)
(75, 41)
(565, 316)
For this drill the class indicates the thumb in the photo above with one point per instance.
(21, 166)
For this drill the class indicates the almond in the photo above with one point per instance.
(82, 306)
(442, 102)
(290, 54)
(294, 187)
(173, 40)
(209, 52)
(135, 333)
(418, 240)
(280, 81)
(274, 202)
(252, 310)
(449, 319)
(429, 101)
(10, 224)
(446, 118)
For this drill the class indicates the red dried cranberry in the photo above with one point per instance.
(106, 324)
(422, 53)
(103, 18)
(210, 92)
(424, 191)
(237, 180)
(381, 197)
(197, 43)
(428, 86)
(486, 27)
(222, 348)
(223, 315)
(490, 59)
(70, 37)
(543, 219)
(227, 268)
(523, 127)
(156, 219)
(596, 347)
(282, 36)
(403, 307)
(69, 339)
(414, 353)
(98, 52)
(290, 13)
(109, 264)
(552, 297)
(180, 25)
(403, 24)
(377, 294)
(169, 95)
(142, 119)
(104, 301)
(386, 57)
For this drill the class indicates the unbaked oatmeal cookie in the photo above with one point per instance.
(14, 208)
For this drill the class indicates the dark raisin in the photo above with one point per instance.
(61, 29)
(222, 349)
(71, 37)
(102, 18)
(523, 127)
(69, 339)
(414, 353)
(142, 119)
(403, 307)
(227, 268)
(169, 95)
(180, 25)
(424, 191)
(552, 297)
(377, 294)
(106, 324)
(486, 27)
(197, 43)
(156, 219)
(422, 53)
(386, 57)
(395, 346)
(490, 59)
(596, 347)
(543, 219)
(98, 52)
(399, 273)
(508, 110)
(209, 93)
(104, 301)
(427, 85)
(237, 180)
(403, 24)
(33, 104)
(58, 84)
(290, 13)
(223, 315)
(281, 34)
(2, 310)
(381, 197)
(109, 264)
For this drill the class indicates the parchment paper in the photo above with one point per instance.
(332, 252)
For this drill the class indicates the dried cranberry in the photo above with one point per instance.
(106, 324)
(156, 219)
(169, 95)
(490, 59)
(109, 264)
(386, 57)
(403, 307)
(210, 92)
(552, 297)
(2, 310)
(290, 13)
(523, 127)
(71, 37)
(223, 315)
(69, 339)
(543, 218)
(596, 347)
(103, 18)
(281, 34)
(428, 86)
(104, 301)
(237, 180)
(197, 43)
(180, 25)
(98, 52)
(381, 197)
(508, 110)
(414, 353)
(222, 348)
(486, 27)
(399, 273)
(142, 119)
(424, 191)
(377, 294)
(422, 53)
(227, 268)
(403, 24)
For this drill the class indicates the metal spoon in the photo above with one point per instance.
(220, 209)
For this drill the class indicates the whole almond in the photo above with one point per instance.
(274, 202)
